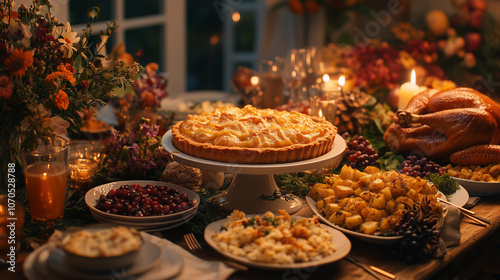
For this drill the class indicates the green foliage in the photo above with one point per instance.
(391, 161)
(444, 183)
(210, 210)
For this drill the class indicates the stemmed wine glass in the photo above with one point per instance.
(299, 73)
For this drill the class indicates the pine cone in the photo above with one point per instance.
(351, 111)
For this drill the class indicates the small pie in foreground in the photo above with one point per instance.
(251, 135)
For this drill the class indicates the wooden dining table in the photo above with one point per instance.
(477, 252)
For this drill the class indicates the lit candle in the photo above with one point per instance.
(82, 170)
(254, 80)
(341, 82)
(408, 90)
(46, 186)
(329, 84)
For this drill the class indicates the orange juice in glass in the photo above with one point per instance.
(46, 186)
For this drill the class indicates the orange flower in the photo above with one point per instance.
(18, 61)
(61, 100)
(52, 78)
(70, 68)
(6, 87)
(151, 68)
(63, 72)
(66, 73)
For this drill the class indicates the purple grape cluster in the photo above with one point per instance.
(361, 153)
(416, 167)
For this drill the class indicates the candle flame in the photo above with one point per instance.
(320, 113)
(236, 16)
(413, 78)
(326, 78)
(342, 81)
(44, 174)
(254, 80)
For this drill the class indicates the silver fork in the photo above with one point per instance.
(195, 247)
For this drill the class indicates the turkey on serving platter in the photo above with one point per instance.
(460, 125)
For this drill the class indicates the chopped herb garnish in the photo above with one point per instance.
(444, 183)
(273, 222)
(251, 222)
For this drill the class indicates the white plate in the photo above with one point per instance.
(148, 257)
(342, 248)
(133, 224)
(365, 237)
(186, 215)
(142, 227)
(36, 266)
(93, 195)
(460, 197)
(479, 188)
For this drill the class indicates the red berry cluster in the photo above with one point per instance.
(361, 153)
(416, 167)
(134, 200)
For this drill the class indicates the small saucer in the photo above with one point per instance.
(148, 257)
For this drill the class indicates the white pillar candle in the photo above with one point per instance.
(408, 90)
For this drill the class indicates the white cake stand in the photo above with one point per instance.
(254, 180)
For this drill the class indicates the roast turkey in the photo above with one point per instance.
(460, 125)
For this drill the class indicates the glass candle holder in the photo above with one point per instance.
(84, 158)
(323, 103)
(45, 171)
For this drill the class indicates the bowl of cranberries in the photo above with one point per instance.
(142, 202)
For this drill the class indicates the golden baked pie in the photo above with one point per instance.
(251, 135)
(106, 242)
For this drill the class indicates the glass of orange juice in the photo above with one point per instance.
(45, 171)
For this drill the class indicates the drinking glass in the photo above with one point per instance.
(45, 171)
(299, 73)
(271, 82)
(323, 103)
(294, 71)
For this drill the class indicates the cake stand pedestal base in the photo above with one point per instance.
(245, 191)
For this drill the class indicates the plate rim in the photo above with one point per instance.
(148, 228)
(473, 187)
(340, 251)
(454, 201)
(155, 224)
(148, 265)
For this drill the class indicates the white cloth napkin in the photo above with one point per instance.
(193, 267)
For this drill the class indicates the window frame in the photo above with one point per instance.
(172, 19)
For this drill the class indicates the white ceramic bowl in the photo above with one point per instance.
(103, 263)
(93, 195)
